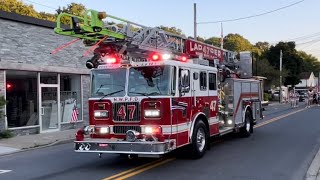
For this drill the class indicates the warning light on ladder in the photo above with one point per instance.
(111, 59)
(155, 57)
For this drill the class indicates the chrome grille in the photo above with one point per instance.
(127, 118)
(124, 129)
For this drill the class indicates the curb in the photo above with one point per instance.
(313, 171)
(40, 146)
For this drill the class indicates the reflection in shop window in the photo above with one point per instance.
(21, 95)
(70, 97)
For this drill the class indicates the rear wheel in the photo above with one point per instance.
(247, 129)
(199, 140)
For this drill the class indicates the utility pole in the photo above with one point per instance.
(280, 93)
(319, 82)
(195, 20)
(221, 40)
(256, 57)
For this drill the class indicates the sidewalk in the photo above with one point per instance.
(313, 172)
(20, 143)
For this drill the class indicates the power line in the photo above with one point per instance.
(308, 42)
(306, 36)
(41, 4)
(252, 16)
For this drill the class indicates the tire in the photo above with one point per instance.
(247, 129)
(199, 143)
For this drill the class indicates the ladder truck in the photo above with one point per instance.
(153, 91)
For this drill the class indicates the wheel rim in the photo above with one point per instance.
(248, 125)
(201, 139)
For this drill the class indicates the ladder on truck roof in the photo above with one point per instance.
(123, 37)
(91, 28)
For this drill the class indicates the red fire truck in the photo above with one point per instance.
(153, 91)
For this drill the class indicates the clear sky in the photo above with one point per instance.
(297, 21)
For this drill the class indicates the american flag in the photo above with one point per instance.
(75, 112)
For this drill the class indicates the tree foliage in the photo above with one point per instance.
(236, 42)
(173, 30)
(215, 41)
(73, 8)
(291, 61)
(18, 7)
(262, 46)
(310, 63)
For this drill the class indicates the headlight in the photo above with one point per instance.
(154, 113)
(101, 114)
(104, 130)
(152, 130)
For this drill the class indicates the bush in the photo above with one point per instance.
(6, 134)
(266, 97)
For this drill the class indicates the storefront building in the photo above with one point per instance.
(44, 92)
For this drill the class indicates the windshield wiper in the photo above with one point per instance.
(107, 84)
(144, 94)
(109, 94)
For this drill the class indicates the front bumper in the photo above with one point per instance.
(122, 147)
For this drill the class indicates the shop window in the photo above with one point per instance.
(22, 99)
(70, 97)
(48, 78)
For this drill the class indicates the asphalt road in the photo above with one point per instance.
(282, 150)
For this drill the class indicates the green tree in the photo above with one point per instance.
(201, 39)
(18, 7)
(236, 42)
(73, 8)
(265, 69)
(310, 63)
(173, 30)
(47, 16)
(291, 61)
(215, 41)
(262, 46)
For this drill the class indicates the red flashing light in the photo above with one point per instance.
(184, 59)
(155, 57)
(111, 59)
(9, 86)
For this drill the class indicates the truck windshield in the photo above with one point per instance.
(109, 82)
(151, 80)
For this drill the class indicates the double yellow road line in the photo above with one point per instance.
(137, 170)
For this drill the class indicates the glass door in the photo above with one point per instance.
(49, 119)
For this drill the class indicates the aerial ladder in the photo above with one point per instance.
(129, 37)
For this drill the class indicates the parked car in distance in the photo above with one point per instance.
(302, 96)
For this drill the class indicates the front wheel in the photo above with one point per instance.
(199, 140)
